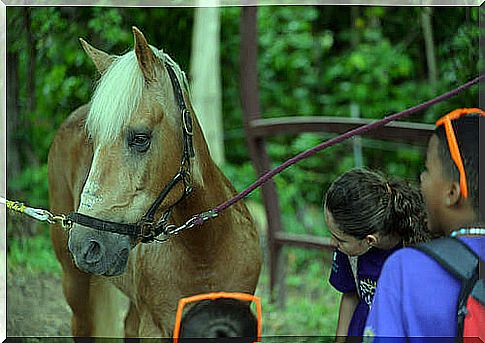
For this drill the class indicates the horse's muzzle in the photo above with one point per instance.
(99, 253)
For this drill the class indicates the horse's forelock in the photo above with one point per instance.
(116, 98)
(118, 95)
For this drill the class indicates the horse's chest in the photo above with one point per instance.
(188, 276)
(169, 273)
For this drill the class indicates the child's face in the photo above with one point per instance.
(347, 244)
(433, 187)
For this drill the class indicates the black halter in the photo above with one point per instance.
(147, 229)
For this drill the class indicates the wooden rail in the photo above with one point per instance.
(406, 132)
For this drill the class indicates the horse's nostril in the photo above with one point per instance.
(93, 252)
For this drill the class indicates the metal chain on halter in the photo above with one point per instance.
(37, 213)
(172, 230)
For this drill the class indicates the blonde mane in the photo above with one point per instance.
(118, 95)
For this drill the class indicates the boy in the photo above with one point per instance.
(220, 318)
(415, 295)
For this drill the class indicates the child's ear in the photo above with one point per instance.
(453, 194)
(372, 239)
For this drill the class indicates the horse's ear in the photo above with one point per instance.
(101, 59)
(147, 60)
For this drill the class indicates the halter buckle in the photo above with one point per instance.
(147, 231)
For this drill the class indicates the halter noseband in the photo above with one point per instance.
(147, 229)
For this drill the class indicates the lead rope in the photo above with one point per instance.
(37, 213)
(200, 218)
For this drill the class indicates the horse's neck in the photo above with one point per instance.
(210, 188)
(205, 197)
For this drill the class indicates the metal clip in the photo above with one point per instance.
(208, 215)
(189, 224)
(65, 223)
(62, 220)
(147, 231)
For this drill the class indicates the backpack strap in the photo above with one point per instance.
(453, 255)
(478, 292)
(459, 260)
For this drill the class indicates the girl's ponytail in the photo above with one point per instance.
(406, 212)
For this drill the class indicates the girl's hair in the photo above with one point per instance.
(219, 318)
(364, 202)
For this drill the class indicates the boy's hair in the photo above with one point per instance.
(219, 318)
(364, 202)
(467, 136)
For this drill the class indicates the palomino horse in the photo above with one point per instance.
(111, 160)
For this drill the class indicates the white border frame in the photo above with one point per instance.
(140, 3)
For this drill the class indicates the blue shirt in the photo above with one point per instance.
(417, 297)
(369, 267)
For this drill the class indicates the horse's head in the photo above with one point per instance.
(134, 123)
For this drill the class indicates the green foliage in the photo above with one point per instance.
(288, 59)
(33, 180)
(241, 176)
(34, 254)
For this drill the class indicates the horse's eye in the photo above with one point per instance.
(140, 142)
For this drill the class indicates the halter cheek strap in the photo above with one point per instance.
(186, 118)
(147, 229)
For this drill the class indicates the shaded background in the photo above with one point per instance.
(313, 60)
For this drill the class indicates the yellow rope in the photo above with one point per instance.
(37, 213)
(15, 206)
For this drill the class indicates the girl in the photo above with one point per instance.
(369, 218)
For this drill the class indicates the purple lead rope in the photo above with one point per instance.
(200, 218)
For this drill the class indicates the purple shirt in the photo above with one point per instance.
(417, 297)
(369, 267)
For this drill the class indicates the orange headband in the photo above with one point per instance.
(211, 296)
(453, 144)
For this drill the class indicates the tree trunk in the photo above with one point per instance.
(32, 159)
(206, 77)
(355, 35)
(30, 61)
(13, 120)
(429, 45)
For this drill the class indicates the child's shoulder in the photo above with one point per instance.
(407, 256)
(411, 259)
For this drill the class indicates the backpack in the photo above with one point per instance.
(459, 260)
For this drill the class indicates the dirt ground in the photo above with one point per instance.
(36, 306)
